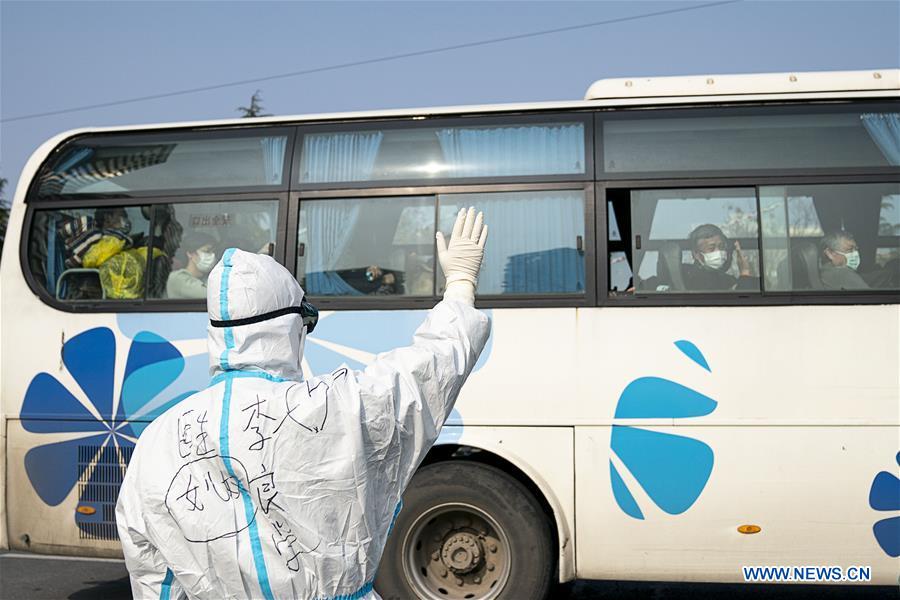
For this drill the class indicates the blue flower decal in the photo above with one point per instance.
(101, 433)
(885, 496)
(671, 469)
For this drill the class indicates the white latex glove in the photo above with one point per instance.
(461, 258)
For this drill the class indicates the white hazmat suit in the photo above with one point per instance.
(267, 486)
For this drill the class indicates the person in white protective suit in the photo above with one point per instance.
(267, 486)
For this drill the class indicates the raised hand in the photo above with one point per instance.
(461, 258)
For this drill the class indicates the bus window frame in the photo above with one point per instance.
(584, 116)
(748, 299)
(586, 299)
(173, 134)
(757, 108)
(145, 304)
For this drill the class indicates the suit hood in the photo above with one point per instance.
(244, 285)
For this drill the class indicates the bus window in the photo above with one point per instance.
(126, 163)
(397, 154)
(831, 237)
(538, 245)
(618, 218)
(367, 247)
(93, 254)
(695, 240)
(703, 142)
(193, 236)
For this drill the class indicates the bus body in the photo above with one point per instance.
(662, 423)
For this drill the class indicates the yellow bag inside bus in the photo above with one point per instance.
(122, 276)
(102, 250)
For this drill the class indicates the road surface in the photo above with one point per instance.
(33, 577)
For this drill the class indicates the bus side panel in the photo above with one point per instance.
(807, 488)
(696, 421)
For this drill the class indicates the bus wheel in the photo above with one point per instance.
(467, 531)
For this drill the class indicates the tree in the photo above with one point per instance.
(255, 109)
(4, 214)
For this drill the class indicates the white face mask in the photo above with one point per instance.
(205, 261)
(714, 259)
(851, 257)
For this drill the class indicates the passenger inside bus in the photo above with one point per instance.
(199, 256)
(713, 254)
(90, 241)
(101, 249)
(840, 262)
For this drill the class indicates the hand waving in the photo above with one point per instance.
(461, 258)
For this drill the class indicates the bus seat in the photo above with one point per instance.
(80, 284)
(805, 265)
(668, 266)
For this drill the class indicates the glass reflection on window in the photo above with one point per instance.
(445, 152)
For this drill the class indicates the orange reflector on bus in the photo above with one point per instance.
(749, 529)
(86, 510)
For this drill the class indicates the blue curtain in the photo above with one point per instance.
(330, 226)
(531, 248)
(520, 150)
(339, 157)
(273, 158)
(884, 128)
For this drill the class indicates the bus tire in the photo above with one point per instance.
(467, 531)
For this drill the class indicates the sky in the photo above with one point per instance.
(60, 55)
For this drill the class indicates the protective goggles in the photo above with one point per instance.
(307, 312)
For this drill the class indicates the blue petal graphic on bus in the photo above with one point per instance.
(672, 470)
(153, 363)
(91, 359)
(887, 532)
(623, 496)
(47, 401)
(52, 470)
(50, 407)
(693, 352)
(884, 495)
(657, 398)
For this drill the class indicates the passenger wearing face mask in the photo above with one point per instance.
(839, 264)
(712, 258)
(190, 282)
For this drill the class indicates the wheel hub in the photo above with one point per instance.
(456, 552)
(462, 552)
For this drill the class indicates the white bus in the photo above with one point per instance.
(695, 361)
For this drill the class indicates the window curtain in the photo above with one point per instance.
(526, 150)
(273, 158)
(532, 249)
(330, 227)
(884, 129)
(339, 157)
